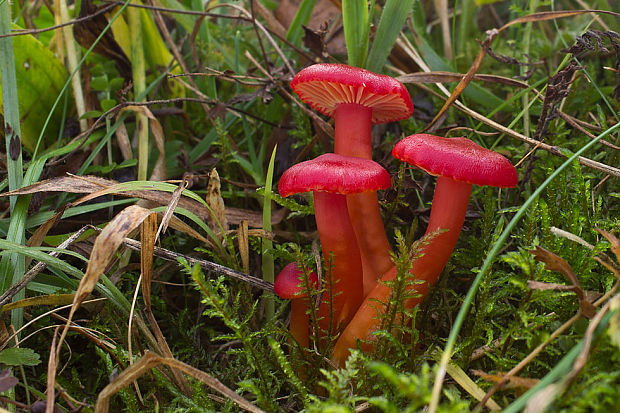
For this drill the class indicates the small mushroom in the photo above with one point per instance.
(330, 177)
(357, 99)
(289, 285)
(458, 163)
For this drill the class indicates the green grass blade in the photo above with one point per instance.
(302, 17)
(12, 266)
(460, 318)
(356, 25)
(267, 257)
(394, 15)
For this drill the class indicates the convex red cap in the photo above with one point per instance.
(324, 86)
(290, 282)
(456, 158)
(336, 174)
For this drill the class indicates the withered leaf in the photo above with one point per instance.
(615, 242)
(6, 380)
(217, 218)
(555, 263)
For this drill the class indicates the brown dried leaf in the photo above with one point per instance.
(244, 245)
(555, 263)
(217, 220)
(148, 234)
(105, 246)
(122, 137)
(150, 360)
(36, 239)
(615, 242)
(71, 183)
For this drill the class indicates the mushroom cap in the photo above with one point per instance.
(289, 283)
(326, 85)
(456, 158)
(334, 173)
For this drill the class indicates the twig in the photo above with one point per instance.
(207, 265)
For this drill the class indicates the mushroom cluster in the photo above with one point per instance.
(344, 185)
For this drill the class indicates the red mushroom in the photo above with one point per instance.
(357, 99)
(459, 163)
(289, 285)
(330, 177)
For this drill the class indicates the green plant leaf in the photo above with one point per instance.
(302, 17)
(19, 356)
(40, 78)
(355, 22)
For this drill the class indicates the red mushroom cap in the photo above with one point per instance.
(324, 86)
(289, 283)
(336, 174)
(456, 158)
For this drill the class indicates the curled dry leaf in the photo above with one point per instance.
(615, 242)
(217, 219)
(555, 263)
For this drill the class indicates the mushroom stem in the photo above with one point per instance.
(353, 138)
(448, 213)
(343, 286)
(352, 130)
(299, 321)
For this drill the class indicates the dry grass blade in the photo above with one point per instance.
(441, 8)
(552, 15)
(514, 382)
(174, 201)
(71, 183)
(444, 77)
(52, 362)
(148, 236)
(104, 248)
(150, 360)
(555, 263)
(51, 299)
(122, 137)
(470, 386)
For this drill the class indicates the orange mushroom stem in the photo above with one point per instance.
(459, 163)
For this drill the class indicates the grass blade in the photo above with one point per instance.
(355, 21)
(393, 17)
(267, 257)
(12, 266)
